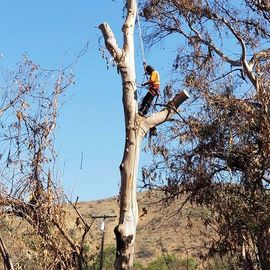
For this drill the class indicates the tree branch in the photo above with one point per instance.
(246, 65)
(6, 258)
(241, 62)
(110, 42)
(258, 56)
(210, 44)
(162, 116)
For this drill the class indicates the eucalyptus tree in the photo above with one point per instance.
(32, 202)
(136, 127)
(223, 60)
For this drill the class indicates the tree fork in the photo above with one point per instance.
(136, 127)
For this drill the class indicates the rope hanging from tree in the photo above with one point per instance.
(141, 38)
(138, 93)
(142, 45)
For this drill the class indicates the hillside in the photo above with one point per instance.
(161, 230)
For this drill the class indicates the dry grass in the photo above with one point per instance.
(161, 229)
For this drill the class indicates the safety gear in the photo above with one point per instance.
(154, 90)
(149, 69)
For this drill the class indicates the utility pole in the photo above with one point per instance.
(103, 229)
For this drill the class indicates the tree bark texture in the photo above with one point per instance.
(136, 127)
(5, 255)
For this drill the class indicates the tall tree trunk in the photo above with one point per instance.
(135, 128)
(126, 229)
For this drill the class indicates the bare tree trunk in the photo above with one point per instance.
(5, 255)
(126, 229)
(136, 128)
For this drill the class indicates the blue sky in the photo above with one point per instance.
(52, 33)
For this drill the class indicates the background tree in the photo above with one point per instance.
(218, 154)
(136, 128)
(29, 193)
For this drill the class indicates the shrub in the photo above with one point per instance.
(108, 259)
(172, 262)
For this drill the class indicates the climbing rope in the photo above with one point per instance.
(141, 38)
(142, 51)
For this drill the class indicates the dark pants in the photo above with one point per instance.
(146, 103)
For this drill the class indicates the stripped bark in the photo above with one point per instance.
(136, 127)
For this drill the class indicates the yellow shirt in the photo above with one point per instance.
(154, 78)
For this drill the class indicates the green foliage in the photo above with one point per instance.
(172, 262)
(108, 259)
(162, 263)
(138, 266)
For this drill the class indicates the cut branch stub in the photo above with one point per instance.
(171, 108)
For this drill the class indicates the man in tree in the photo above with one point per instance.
(153, 90)
(136, 128)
